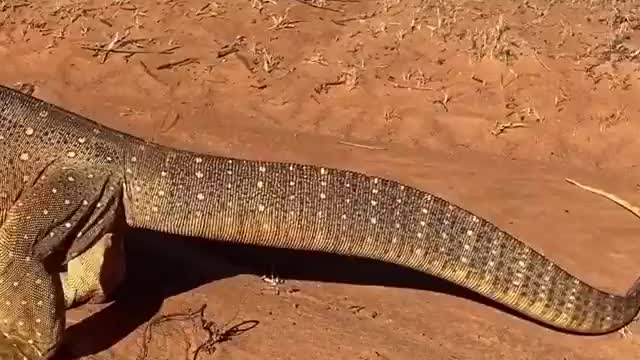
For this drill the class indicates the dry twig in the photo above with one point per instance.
(500, 128)
(172, 64)
(214, 334)
(370, 147)
(309, 3)
(621, 202)
(624, 331)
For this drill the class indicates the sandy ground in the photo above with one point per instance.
(490, 104)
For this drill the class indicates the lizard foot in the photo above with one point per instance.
(94, 275)
(14, 348)
(627, 331)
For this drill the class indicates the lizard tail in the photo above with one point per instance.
(634, 292)
(304, 207)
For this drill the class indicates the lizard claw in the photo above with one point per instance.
(627, 332)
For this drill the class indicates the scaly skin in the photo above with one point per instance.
(69, 182)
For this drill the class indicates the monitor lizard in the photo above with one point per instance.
(69, 184)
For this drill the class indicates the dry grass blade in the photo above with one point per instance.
(625, 332)
(322, 6)
(621, 202)
(370, 147)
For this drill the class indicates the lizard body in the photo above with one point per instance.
(68, 184)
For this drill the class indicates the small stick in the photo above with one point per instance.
(500, 128)
(173, 64)
(318, 6)
(325, 86)
(227, 51)
(400, 86)
(475, 78)
(621, 202)
(535, 55)
(124, 51)
(361, 145)
(146, 70)
(342, 22)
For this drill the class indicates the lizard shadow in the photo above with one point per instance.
(161, 266)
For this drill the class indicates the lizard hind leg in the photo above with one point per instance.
(95, 274)
(31, 313)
